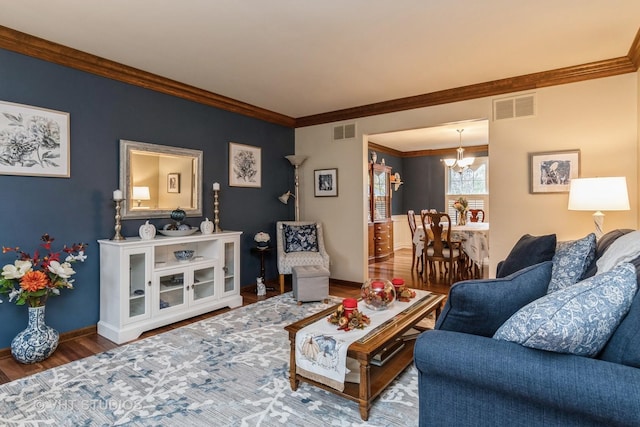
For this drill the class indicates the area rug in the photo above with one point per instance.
(228, 370)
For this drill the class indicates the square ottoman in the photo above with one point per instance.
(310, 283)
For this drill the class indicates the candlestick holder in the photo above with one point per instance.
(118, 225)
(216, 212)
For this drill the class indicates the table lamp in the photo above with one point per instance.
(599, 194)
(139, 194)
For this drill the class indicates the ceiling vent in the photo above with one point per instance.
(516, 107)
(347, 131)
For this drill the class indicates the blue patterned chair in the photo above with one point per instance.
(299, 243)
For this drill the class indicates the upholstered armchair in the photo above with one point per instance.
(299, 243)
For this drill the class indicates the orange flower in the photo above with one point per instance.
(34, 281)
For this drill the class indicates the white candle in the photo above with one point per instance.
(216, 186)
(117, 194)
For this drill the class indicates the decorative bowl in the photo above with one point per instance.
(378, 294)
(178, 233)
(184, 255)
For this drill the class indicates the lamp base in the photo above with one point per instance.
(598, 220)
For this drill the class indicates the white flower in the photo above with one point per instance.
(14, 294)
(262, 237)
(16, 271)
(80, 257)
(63, 270)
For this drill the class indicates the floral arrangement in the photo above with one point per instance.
(347, 321)
(461, 205)
(262, 237)
(403, 293)
(32, 279)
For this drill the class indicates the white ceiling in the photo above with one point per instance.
(474, 132)
(305, 57)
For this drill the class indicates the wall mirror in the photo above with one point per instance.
(156, 179)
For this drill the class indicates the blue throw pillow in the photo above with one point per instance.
(300, 238)
(529, 250)
(624, 345)
(579, 319)
(479, 307)
(571, 261)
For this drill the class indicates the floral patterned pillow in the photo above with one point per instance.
(571, 261)
(300, 238)
(578, 319)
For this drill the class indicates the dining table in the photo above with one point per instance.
(473, 235)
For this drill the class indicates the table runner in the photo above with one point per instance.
(321, 349)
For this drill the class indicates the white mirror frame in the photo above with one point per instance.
(126, 147)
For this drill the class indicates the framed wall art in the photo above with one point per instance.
(245, 165)
(173, 182)
(34, 141)
(325, 182)
(552, 171)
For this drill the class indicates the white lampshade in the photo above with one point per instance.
(285, 197)
(296, 160)
(599, 194)
(141, 193)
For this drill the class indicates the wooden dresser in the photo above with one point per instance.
(380, 223)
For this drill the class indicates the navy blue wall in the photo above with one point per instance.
(424, 183)
(79, 208)
(423, 186)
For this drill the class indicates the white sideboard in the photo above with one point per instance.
(143, 286)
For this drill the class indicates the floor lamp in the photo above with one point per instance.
(296, 161)
(599, 194)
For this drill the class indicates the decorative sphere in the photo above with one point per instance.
(378, 294)
(178, 214)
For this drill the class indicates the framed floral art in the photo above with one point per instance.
(325, 182)
(34, 141)
(245, 166)
(552, 171)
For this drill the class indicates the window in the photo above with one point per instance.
(472, 184)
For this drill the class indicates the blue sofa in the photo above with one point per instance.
(468, 378)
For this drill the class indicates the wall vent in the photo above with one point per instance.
(347, 131)
(516, 107)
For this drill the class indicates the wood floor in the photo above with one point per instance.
(90, 343)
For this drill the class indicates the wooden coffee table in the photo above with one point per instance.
(373, 379)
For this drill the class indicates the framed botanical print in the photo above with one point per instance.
(173, 183)
(34, 141)
(325, 182)
(552, 171)
(245, 165)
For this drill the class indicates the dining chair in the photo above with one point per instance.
(476, 215)
(441, 250)
(416, 259)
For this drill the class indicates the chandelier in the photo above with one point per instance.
(460, 163)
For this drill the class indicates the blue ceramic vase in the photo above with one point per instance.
(37, 342)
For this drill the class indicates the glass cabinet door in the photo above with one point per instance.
(203, 283)
(380, 194)
(139, 281)
(171, 290)
(229, 266)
